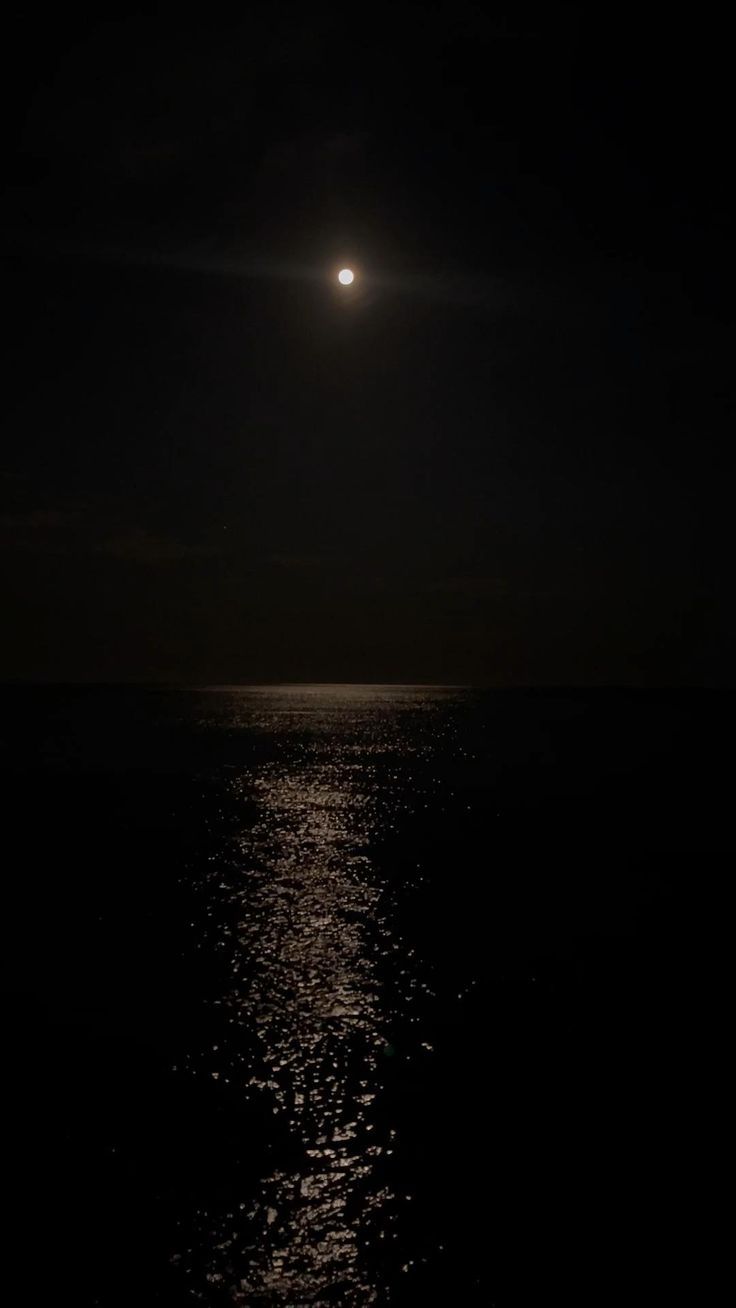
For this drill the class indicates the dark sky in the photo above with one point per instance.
(504, 456)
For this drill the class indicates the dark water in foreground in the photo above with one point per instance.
(356, 995)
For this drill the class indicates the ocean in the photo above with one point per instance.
(358, 994)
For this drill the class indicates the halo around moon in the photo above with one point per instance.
(346, 276)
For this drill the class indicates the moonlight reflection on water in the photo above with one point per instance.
(309, 932)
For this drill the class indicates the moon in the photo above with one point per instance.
(346, 276)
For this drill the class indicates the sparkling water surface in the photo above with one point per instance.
(303, 915)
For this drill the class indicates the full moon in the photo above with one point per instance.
(346, 276)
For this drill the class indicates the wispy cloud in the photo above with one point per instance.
(73, 530)
(139, 545)
(300, 562)
(471, 587)
(38, 520)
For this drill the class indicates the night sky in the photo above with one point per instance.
(504, 456)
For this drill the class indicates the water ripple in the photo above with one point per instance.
(304, 919)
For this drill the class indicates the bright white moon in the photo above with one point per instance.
(346, 276)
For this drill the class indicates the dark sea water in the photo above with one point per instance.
(359, 994)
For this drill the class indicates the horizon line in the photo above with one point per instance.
(161, 684)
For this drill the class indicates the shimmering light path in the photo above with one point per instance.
(305, 924)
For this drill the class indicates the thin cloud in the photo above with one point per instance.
(38, 520)
(471, 587)
(138, 545)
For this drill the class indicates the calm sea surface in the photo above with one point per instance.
(352, 994)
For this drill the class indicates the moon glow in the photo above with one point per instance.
(346, 276)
